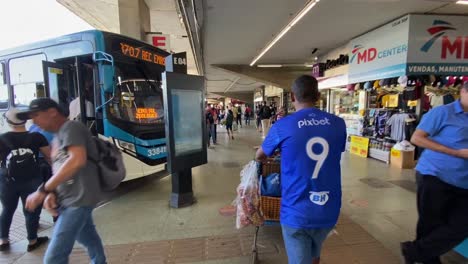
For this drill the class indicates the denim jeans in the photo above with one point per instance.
(239, 120)
(303, 245)
(212, 133)
(74, 223)
(10, 193)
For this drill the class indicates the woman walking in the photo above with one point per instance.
(229, 121)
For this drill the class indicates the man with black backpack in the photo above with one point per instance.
(20, 176)
(74, 188)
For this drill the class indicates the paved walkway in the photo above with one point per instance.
(348, 241)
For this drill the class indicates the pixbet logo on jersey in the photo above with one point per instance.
(313, 122)
(457, 46)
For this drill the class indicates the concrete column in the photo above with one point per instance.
(134, 18)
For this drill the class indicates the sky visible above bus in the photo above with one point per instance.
(27, 21)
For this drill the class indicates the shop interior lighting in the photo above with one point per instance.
(462, 2)
(293, 22)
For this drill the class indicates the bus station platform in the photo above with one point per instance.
(138, 226)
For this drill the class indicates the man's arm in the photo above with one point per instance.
(260, 155)
(76, 160)
(46, 152)
(269, 145)
(421, 139)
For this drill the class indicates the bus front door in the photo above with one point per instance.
(59, 83)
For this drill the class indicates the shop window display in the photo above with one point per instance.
(395, 105)
(345, 104)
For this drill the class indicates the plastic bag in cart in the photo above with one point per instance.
(248, 198)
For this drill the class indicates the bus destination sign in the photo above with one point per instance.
(141, 54)
(146, 113)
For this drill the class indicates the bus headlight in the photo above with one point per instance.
(126, 145)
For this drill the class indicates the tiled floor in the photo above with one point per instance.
(138, 226)
(347, 241)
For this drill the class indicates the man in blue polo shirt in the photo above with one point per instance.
(442, 178)
(311, 143)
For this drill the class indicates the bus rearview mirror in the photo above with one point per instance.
(109, 78)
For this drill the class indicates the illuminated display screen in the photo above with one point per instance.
(146, 113)
(141, 54)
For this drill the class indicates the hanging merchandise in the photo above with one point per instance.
(397, 125)
(445, 90)
(390, 100)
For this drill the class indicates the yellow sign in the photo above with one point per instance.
(360, 146)
(146, 113)
(396, 153)
(141, 54)
(413, 103)
(55, 70)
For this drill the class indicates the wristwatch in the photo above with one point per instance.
(42, 189)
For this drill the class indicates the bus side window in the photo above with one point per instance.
(3, 89)
(27, 79)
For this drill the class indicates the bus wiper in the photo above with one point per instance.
(139, 68)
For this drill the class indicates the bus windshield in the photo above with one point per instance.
(138, 97)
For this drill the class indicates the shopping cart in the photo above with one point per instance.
(270, 206)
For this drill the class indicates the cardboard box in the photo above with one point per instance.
(402, 159)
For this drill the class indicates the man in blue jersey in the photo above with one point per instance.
(442, 178)
(311, 143)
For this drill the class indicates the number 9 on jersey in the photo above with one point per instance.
(319, 158)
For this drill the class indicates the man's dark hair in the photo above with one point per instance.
(305, 89)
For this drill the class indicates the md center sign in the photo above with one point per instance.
(411, 45)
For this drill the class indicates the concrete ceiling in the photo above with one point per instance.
(164, 18)
(101, 14)
(236, 31)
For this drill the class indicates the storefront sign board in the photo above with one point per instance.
(438, 45)
(318, 70)
(380, 53)
(336, 81)
(360, 146)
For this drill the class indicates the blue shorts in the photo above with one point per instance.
(229, 127)
(303, 245)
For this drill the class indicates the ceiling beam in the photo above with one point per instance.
(246, 97)
(279, 77)
(231, 84)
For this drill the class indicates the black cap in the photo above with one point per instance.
(39, 104)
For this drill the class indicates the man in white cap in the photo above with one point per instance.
(19, 177)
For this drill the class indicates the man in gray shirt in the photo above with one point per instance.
(73, 190)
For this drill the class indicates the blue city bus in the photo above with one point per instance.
(116, 79)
